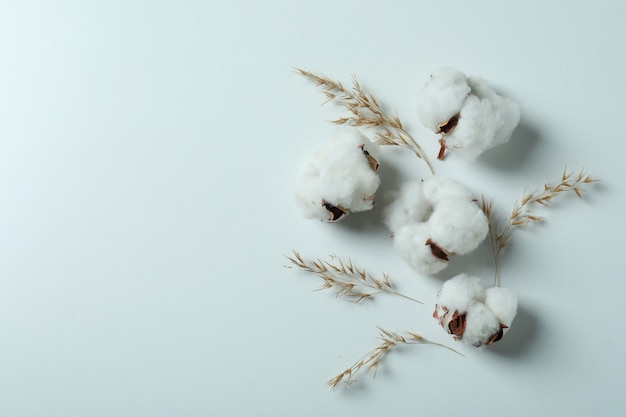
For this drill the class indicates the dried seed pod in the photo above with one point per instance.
(339, 179)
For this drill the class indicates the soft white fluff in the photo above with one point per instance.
(407, 206)
(460, 293)
(486, 118)
(409, 241)
(441, 187)
(458, 226)
(487, 313)
(441, 97)
(346, 178)
(480, 325)
(437, 214)
(308, 193)
(339, 174)
(503, 303)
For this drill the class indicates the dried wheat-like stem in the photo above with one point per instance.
(521, 214)
(372, 359)
(346, 278)
(366, 112)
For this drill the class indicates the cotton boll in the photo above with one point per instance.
(458, 226)
(453, 221)
(441, 97)
(339, 179)
(503, 303)
(406, 206)
(472, 314)
(474, 129)
(410, 241)
(468, 113)
(486, 120)
(346, 178)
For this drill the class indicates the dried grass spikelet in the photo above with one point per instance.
(522, 215)
(348, 280)
(372, 359)
(366, 112)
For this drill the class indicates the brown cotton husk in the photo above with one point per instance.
(445, 128)
(437, 251)
(336, 212)
(449, 126)
(497, 335)
(456, 326)
(373, 163)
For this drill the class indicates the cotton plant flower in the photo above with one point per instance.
(470, 116)
(434, 219)
(339, 179)
(473, 314)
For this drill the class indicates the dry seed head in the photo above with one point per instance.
(349, 281)
(366, 112)
(371, 361)
(521, 214)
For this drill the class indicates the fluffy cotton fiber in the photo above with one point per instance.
(458, 225)
(410, 242)
(339, 179)
(432, 220)
(468, 113)
(473, 314)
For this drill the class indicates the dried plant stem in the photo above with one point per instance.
(366, 112)
(371, 360)
(521, 214)
(346, 278)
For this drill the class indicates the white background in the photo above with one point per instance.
(147, 157)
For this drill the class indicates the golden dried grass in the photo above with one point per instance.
(370, 362)
(348, 280)
(522, 215)
(366, 112)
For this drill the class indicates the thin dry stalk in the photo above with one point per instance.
(521, 214)
(346, 279)
(366, 112)
(372, 359)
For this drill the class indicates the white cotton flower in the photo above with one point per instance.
(339, 179)
(469, 124)
(474, 315)
(432, 220)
